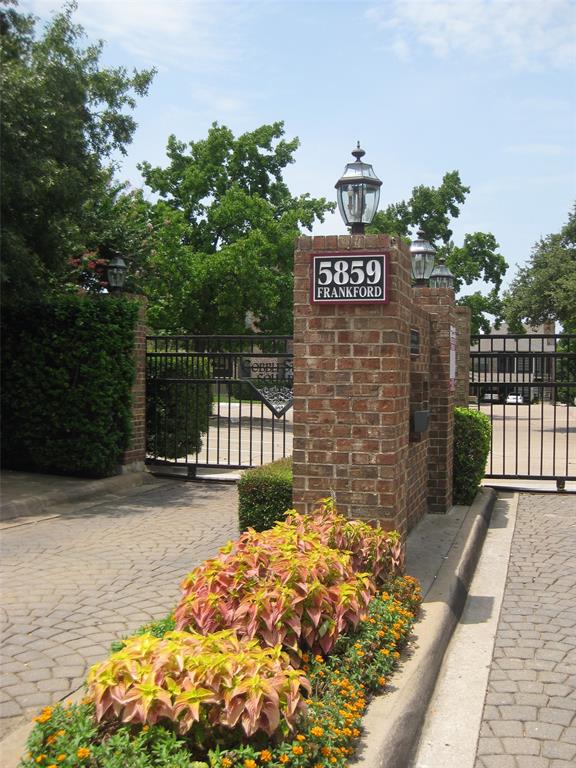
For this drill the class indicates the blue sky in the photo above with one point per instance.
(485, 87)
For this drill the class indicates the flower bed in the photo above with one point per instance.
(236, 697)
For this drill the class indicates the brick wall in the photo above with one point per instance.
(133, 458)
(417, 497)
(352, 390)
(356, 385)
(439, 303)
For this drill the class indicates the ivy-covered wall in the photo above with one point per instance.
(67, 373)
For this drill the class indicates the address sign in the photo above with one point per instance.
(361, 278)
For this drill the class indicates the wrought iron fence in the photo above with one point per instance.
(218, 401)
(526, 384)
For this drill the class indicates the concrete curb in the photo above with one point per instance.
(393, 722)
(36, 505)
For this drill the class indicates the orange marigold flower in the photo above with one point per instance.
(45, 715)
(325, 751)
(82, 753)
(250, 763)
(385, 651)
(40, 758)
(51, 739)
(319, 659)
(317, 731)
(284, 759)
(297, 749)
(52, 765)
(61, 758)
(396, 655)
(265, 755)
(382, 681)
(226, 762)
(61, 732)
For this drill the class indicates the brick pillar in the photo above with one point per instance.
(439, 302)
(134, 456)
(352, 390)
(463, 356)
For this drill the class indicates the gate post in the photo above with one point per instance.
(134, 456)
(352, 389)
(439, 303)
(463, 328)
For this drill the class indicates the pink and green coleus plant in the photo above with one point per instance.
(196, 681)
(283, 586)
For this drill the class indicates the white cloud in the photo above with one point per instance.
(528, 34)
(187, 34)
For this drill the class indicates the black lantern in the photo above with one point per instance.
(116, 274)
(358, 193)
(441, 276)
(423, 254)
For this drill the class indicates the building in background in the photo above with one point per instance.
(514, 367)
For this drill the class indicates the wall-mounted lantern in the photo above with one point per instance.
(358, 193)
(441, 276)
(116, 273)
(422, 254)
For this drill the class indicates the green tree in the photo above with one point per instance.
(222, 233)
(545, 289)
(63, 116)
(431, 210)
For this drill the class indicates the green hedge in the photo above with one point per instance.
(265, 493)
(67, 376)
(472, 432)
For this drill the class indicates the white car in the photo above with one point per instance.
(514, 399)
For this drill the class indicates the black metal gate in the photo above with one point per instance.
(526, 384)
(218, 401)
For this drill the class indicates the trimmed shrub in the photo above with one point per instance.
(265, 493)
(67, 376)
(472, 433)
(178, 406)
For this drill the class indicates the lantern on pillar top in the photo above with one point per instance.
(358, 193)
(422, 254)
(116, 273)
(441, 276)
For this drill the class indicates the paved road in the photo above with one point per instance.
(529, 717)
(73, 583)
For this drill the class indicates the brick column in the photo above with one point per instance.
(463, 356)
(439, 303)
(352, 389)
(134, 456)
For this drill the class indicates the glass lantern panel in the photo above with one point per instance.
(422, 265)
(358, 203)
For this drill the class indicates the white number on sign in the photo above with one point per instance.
(354, 273)
(325, 273)
(374, 271)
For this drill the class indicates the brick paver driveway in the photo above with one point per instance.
(529, 718)
(74, 583)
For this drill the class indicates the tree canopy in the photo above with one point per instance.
(431, 210)
(546, 288)
(63, 117)
(222, 233)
